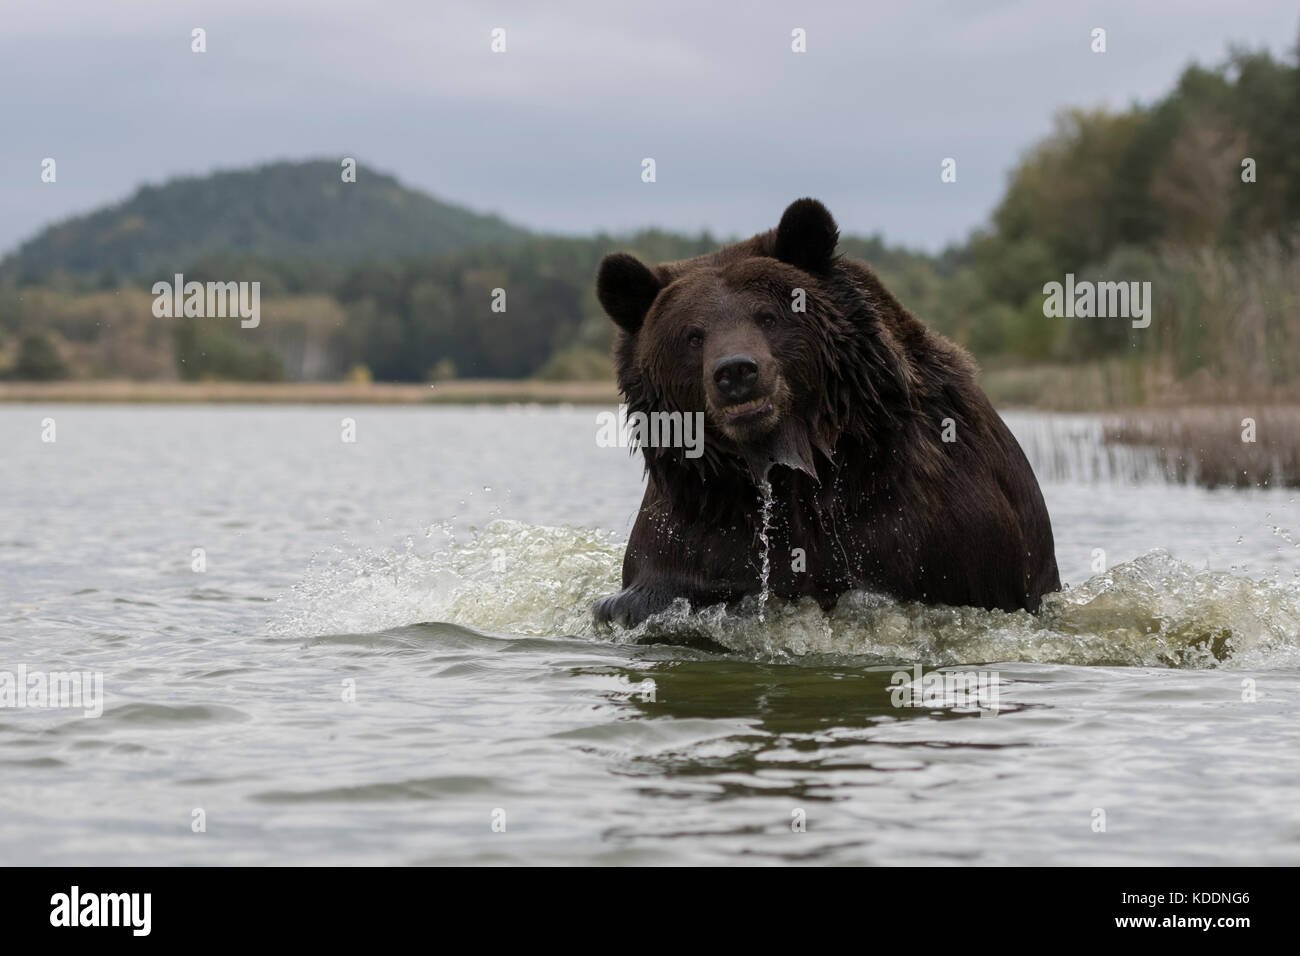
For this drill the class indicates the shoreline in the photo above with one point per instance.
(536, 392)
(464, 392)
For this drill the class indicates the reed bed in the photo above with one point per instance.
(1213, 446)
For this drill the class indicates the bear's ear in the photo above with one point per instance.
(626, 290)
(806, 237)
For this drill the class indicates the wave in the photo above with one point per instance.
(519, 579)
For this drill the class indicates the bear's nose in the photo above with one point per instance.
(736, 376)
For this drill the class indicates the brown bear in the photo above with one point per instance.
(886, 467)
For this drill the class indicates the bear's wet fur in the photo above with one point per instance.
(843, 407)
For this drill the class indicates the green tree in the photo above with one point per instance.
(38, 360)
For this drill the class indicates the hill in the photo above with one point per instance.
(287, 211)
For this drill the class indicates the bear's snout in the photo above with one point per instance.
(736, 377)
(745, 394)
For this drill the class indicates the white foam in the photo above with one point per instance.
(515, 578)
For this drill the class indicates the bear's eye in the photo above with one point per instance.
(695, 339)
(766, 320)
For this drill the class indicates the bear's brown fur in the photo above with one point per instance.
(842, 408)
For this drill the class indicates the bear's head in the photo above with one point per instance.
(756, 336)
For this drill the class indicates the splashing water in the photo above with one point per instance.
(763, 532)
(515, 578)
(511, 578)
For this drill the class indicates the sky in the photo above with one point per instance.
(552, 132)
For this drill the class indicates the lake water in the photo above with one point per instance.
(383, 654)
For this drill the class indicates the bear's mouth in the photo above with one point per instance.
(746, 411)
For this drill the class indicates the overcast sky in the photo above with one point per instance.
(552, 132)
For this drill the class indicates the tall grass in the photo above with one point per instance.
(1210, 446)
(1234, 313)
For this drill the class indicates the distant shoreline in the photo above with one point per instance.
(463, 392)
(1095, 388)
